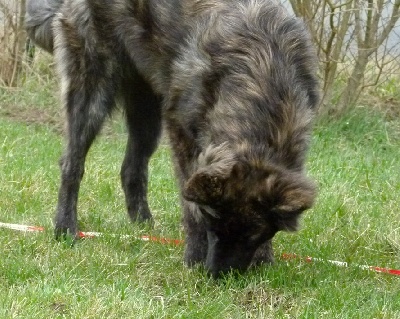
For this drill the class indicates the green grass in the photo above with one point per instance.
(355, 161)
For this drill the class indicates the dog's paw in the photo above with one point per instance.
(263, 255)
(144, 218)
(194, 256)
(63, 235)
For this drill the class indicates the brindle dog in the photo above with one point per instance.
(233, 81)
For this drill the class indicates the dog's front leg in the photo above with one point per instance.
(196, 244)
(264, 254)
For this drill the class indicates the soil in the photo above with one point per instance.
(33, 116)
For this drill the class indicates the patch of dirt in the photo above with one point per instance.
(389, 106)
(52, 119)
(59, 308)
(253, 298)
(33, 116)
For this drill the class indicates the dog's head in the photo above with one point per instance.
(243, 205)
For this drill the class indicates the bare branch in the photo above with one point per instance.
(394, 17)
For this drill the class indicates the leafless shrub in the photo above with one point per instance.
(12, 40)
(357, 44)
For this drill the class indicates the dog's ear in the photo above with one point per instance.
(211, 185)
(204, 187)
(288, 195)
(296, 193)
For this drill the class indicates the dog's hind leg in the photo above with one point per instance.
(143, 117)
(82, 130)
(88, 89)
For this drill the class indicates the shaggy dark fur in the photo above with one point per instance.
(234, 82)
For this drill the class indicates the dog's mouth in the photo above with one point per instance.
(223, 257)
(229, 253)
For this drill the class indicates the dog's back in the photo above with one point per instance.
(247, 62)
(248, 70)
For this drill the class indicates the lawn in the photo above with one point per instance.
(356, 219)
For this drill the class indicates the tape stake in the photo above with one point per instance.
(308, 259)
(177, 242)
(89, 234)
(395, 272)
(22, 227)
